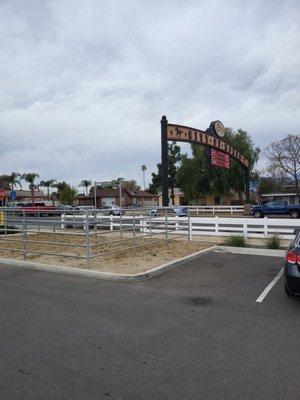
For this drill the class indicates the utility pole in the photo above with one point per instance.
(120, 180)
(144, 168)
(95, 195)
(164, 161)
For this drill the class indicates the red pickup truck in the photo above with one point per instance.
(38, 209)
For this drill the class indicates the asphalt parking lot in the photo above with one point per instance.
(194, 333)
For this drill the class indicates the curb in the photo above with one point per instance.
(107, 275)
(250, 251)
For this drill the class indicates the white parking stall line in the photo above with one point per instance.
(269, 287)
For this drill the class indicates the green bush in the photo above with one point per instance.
(273, 242)
(11, 229)
(235, 241)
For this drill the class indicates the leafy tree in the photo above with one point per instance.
(86, 183)
(284, 158)
(4, 182)
(174, 157)
(268, 184)
(197, 177)
(30, 179)
(65, 193)
(242, 142)
(155, 185)
(48, 184)
(131, 185)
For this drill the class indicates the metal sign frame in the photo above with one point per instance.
(211, 138)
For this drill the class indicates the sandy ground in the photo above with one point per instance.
(114, 253)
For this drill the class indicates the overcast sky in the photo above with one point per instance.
(83, 84)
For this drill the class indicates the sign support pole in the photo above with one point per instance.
(164, 161)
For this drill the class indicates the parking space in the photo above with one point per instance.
(194, 333)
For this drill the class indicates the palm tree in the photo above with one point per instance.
(13, 180)
(144, 169)
(86, 183)
(48, 184)
(29, 178)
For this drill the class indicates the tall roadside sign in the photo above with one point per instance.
(212, 139)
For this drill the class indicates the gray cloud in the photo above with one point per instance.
(84, 83)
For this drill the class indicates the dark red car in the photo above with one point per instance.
(38, 209)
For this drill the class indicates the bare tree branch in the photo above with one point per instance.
(284, 158)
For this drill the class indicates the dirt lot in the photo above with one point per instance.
(114, 253)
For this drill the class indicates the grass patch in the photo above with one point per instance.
(235, 241)
(273, 242)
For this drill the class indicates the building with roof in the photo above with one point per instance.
(111, 196)
(290, 197)
(226, 199)
(24, 196)
(288, 193)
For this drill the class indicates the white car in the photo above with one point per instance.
(111, 210)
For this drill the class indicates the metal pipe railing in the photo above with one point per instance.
(28, 229)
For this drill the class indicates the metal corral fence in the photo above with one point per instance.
(85, 235)
(89, 235)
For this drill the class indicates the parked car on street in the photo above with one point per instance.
(152, 211)
(292, 266)
(83, 208)
(37, 209)
(111, 210)
(275, 208)
(65, 209)
(176, 210)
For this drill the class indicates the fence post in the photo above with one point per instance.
(245, 230)
(111, 222)
(166, 225)
(189, 225)
(87, 239)
(176, 223)
(141, 224)
(265, 227)
(150, 224)
(54, 230)
(213, 210)
(95, 219)
(134, 241)
(121, 223)
(24, 236)
(216, 224)
(39, 228)
(63, 221)
(231, 210)
(5, 223)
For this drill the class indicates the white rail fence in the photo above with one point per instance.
(217, 209)
(205, 226)
(247, 227)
